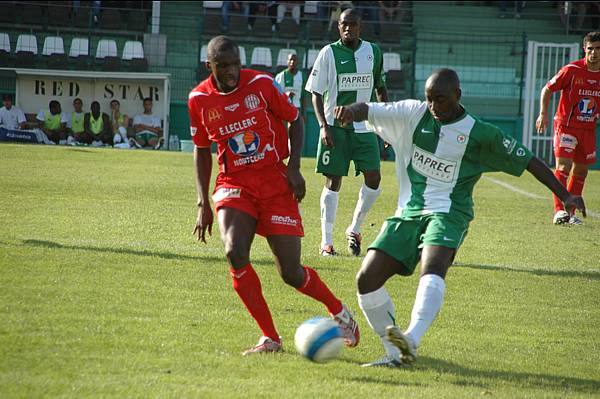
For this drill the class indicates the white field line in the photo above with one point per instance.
(590, 212)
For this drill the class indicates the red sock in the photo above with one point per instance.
(247, 285)
(576, 185)
(562, 178)
(315, 288)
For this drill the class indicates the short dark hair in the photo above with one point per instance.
(591, 37)
(94, 103)
(78, 99)
(147, 99)
(53, 102)
(114, 100)
(7, 97)
(220, 44)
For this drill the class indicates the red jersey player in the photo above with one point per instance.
(242, 111)
(574, 122)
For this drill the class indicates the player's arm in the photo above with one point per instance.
(382, 94)
(295, 179)
(326, 133)
(106, 123)
(545, 176)
(202, 170)
(541, 124)
(347, 114)
(86, 123)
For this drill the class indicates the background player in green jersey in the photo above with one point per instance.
(441, 152)
(292, 82)
(347, 71)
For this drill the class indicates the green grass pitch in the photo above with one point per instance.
(105, 293)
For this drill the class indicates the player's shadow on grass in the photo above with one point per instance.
(590, 274)
(137, 252)
(471, 377)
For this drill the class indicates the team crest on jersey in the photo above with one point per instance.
(244, 144)
(461, 138)
(214, 115)
(251, 101)
(587, 106)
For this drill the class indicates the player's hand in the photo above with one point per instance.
(575, 202)
(344, 115)
(327, 136)
(541, 124)
(204, 222)
(297, 183)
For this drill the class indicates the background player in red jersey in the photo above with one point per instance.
(574, 122)
(255, 192)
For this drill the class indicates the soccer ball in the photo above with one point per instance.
(319, 339)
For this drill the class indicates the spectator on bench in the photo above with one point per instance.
(75, 123)
(53, 122)
(97, 127)
(118, 123)
(11, 117)
(147, 127)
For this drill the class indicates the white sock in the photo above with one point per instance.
(378, 308)
(428, 302)
(366, 199)
(123, 133)
(329, 204)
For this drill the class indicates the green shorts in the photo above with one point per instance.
(145, 137)
(402, 238)
(362, 148)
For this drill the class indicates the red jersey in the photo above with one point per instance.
(246, 123)
(580, 97)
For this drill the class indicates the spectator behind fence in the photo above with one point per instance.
(517, 6)
(390, 11)
(75, 122)
(237, 7)
(118, 123)
(147, 127)
(11, 117)
(97, 127)
(293, 7)
(53, 122)
(369, 12)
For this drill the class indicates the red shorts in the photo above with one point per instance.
(265, 195)
(576, 144)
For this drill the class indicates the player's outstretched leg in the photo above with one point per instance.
(247, 285)
(377, 267)
(366, 198)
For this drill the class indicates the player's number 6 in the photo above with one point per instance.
(325, 158)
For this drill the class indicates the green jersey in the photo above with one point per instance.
(345, 76)
(292, 84)
(437, 164)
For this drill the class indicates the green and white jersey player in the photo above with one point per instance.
(292, 82)
(441, 152)
(347, 71)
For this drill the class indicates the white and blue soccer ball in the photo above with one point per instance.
(319, 339)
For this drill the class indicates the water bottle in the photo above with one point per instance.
(174, 143)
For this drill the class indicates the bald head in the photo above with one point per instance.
(219, 45)
(444, 79)
(442, 93)
(350, 13)
(349, 28)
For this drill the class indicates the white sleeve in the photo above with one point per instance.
(396, 120)
(156, 121)
(70, 121)
(280, 81)
(63, 118)
(21, 116)
(136, 120)
(40, 116)
(318, 80)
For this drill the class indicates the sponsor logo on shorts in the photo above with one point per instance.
(567, 141)
(509, 144)
(193, 130)
(232, 107)
(591, 155)
(251, 101)
(520, 152)
(429, 165)
(284, 220)
(214, 115)
(226, 192)
(355, 81)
